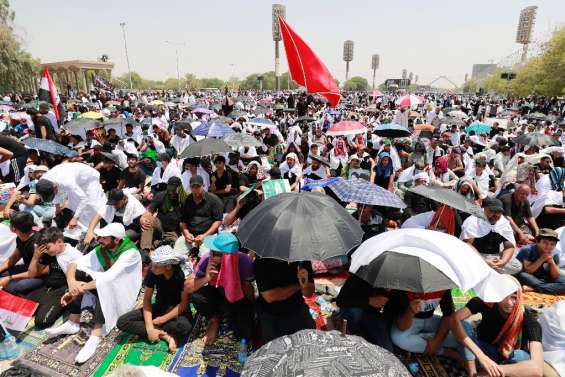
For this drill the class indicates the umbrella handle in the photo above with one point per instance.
(343, 327)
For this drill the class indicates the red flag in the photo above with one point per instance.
(48, 93)
(306, 69)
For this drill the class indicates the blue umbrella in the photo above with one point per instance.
(261, 122)
(391, 130)
(310, 184)
(48, 146)
(212, 130)
(478, 128)
(364, 192)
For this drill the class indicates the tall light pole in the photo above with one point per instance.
(347, 56)
(123, 25)
(232, 76)
(279, 10)
(177, 54)
(375, 61)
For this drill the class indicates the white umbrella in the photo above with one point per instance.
(553, 149)
(453, 257)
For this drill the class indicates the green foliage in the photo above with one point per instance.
(356, 83)
(470, 86)
(17, 67)
(212, 83)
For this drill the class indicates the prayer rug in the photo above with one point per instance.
(133, 350)
(218, 360)
(55, 357)
(432, 366)
(541, 299)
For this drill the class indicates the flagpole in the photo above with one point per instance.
(123, 25)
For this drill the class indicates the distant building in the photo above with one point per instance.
(482, 71)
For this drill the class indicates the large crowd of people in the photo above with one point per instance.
(121, 211)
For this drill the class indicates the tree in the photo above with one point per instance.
(190, 81)
(356, 83)
(470, 86)
(17, 67)
(212, 83)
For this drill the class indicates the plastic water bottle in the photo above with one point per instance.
(414, 368)
(242, 355)
(8, 348)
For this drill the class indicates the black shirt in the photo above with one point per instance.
(200, 217)
(400, 302)
(228, 178)
(544, 220)
(130, 179)
(109, 178)
(273, 273)
(12, 144)
(43, 121)
(518, 212)
(56, 277)
(492, 322)
(26, 248)
(168, 209)
(271, 140)
(169, 291)
(489, 244)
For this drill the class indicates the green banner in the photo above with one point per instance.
(273, 187)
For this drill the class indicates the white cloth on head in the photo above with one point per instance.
(180, 143)
(185, 178)
(117, 287)
(475, 227)
(81, 185)
(296, 170)
(172, 170)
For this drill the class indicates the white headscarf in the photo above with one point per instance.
(164, 255)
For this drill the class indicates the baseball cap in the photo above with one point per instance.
(115, 230)
(45, 189)
(196, 180)
(493, 204)
(547, 233)
(114, 196)
(223, 242)
(354, 157)
(173, 183)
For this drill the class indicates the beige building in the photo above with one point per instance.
(78, 74)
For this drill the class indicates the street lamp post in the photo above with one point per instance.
(232, 76)
(177, 55)
(123, 25)
(375, 60)
(347, 57)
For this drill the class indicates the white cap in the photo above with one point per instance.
(115, 230)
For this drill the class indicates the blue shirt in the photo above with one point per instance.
(530, 253)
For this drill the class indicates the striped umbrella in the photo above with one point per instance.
(346, 127)
(409, 101)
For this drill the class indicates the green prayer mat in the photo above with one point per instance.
(132, 350)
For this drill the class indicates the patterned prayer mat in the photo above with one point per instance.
(196, 360)
(55, 357)
(537, 299)
(432, 366)
(133, 350)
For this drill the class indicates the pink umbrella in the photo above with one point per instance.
(346, 127)
(409, 100)
(377, 93)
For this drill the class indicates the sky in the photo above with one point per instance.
(216, 38)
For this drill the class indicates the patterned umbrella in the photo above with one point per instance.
(458, 114)
(201, 110)
(364, 192)
(322, 353)
(536, 138)
(346, 127)
(48, 146)
(452, 121)
(536, 116)
(391, 130)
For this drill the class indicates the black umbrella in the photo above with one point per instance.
(185, 124)
(535, 138)
(205, 147)
(287, 110)
(237, 140)
(237, 114)
(80, 125)
(300, 227)
(48, 146)
(305, 119)
(392, 270)
(391, 130)
(450, 198)
(322, 353)
(371, 110)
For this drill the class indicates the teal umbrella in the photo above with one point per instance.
(478, 128)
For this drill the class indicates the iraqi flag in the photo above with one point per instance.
(306, 69)
(15, 312)
(48, 92)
